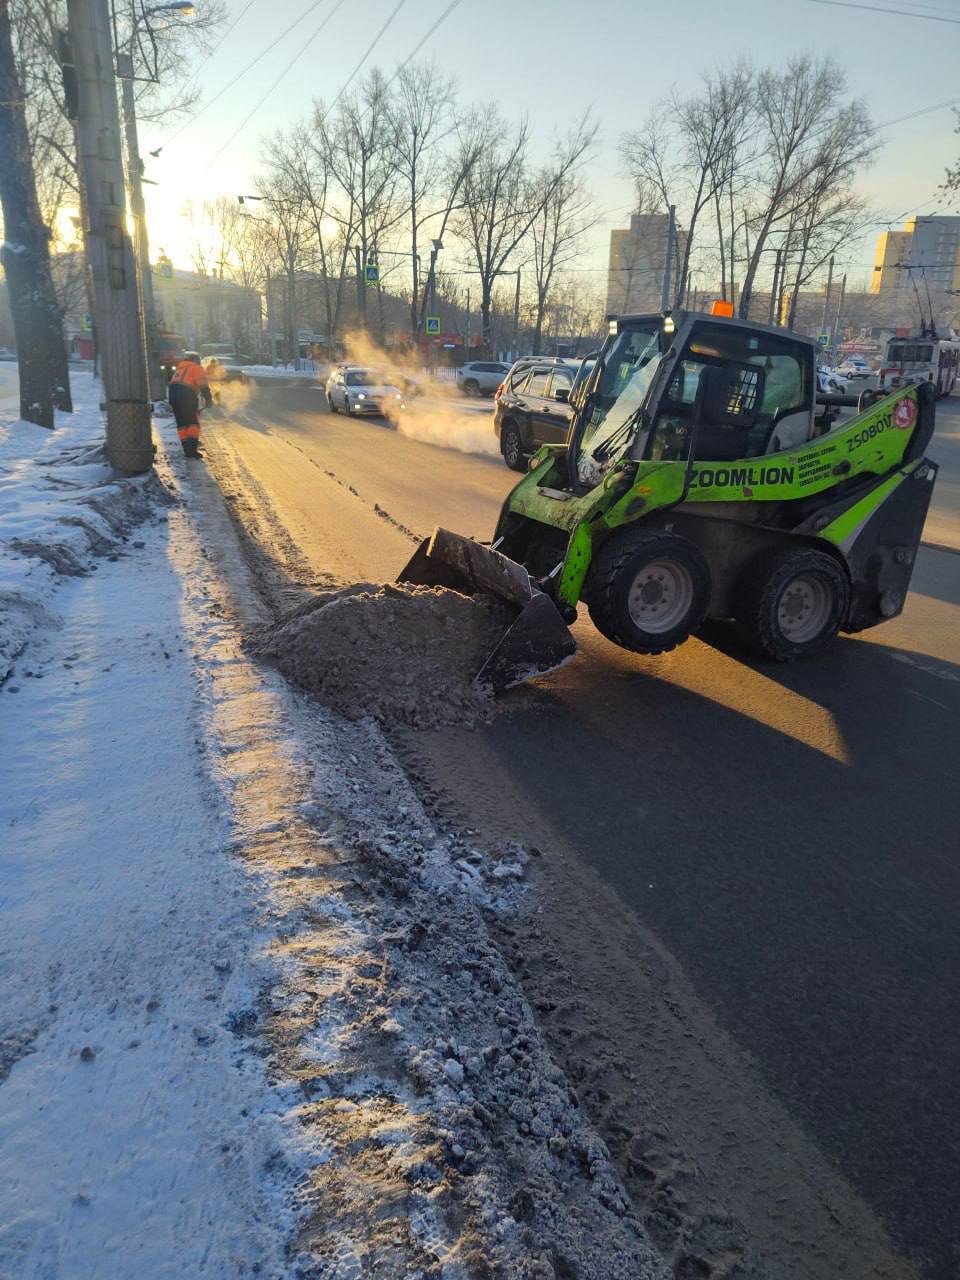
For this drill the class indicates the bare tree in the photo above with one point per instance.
(421, 115)
(566, 215)
(25, 254)
(812, 143)
(501, 199)
(688, 151)
(353, 147)
(285, 228)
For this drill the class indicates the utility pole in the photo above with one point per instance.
(835, 333)
(516, 316)
(361, 288)
(666, 290)
(415, 296)
(138, 209)
(113, 266)
(271, 326)
(775, 288)
(468, 320)
(826, 296)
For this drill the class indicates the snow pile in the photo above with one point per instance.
(61, 506)
(398, 653)
(264, 372)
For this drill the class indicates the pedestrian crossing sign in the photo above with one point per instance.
(371, 273)
(433, 326)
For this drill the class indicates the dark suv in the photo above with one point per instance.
(532, 408)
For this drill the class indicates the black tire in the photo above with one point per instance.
(511, 446)
(647, 591)
(792, 602)
(867, 399)
(331, 406)
(471, 387)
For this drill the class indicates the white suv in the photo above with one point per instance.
(481, 377)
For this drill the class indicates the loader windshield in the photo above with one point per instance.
(629, 366)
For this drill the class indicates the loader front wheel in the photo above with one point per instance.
(648, 591)
(792, 603)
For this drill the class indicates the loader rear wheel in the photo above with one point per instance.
(648, 591)
(792, 603)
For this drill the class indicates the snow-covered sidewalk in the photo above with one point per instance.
(252, 1021)
(61, 506)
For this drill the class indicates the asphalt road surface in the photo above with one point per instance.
(789, 835)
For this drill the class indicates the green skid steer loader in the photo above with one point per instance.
(703, 477)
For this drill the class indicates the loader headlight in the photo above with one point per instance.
(361, 396)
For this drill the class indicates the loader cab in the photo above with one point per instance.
(641, 399)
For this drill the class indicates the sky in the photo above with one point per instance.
(553, 59)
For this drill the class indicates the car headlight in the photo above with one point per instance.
(361, 396)
(398, 396)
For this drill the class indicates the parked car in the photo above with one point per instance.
(855, 369)
(532, 408)
(226, 368)
(481, 377)
(358, 390)
(830, 382)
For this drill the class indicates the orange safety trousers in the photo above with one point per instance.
(184, 401)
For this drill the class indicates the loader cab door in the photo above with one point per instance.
(773, 379)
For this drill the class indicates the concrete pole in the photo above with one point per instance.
(826, 297)
(270, 321)
(516, 316)
(158, 390)
(361, 295)
(113, 265)
(666, 290)
(835, 332)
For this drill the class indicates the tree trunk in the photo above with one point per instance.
(25, 255)
(485, 312)
(293, 337)
(414, 264)
(538, 329)
(723, 256)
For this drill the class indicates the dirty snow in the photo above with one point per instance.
(61, 506)
(253, 1021)
(399, 653)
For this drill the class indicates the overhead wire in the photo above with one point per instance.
(286, 70)
(240, 74)
(229, 31)
(369, 49)
(423, 40)
(903, 13)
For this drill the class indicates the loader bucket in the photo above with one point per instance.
(536, 641)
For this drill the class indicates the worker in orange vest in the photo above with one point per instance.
(188, 385)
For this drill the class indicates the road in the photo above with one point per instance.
(784, 840)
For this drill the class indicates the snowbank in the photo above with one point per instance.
(264, 372)
(253, 1020)
(61, 506)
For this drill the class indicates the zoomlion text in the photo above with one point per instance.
(741, 477)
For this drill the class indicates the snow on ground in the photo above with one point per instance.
(61, 505)
(262, 372)
(252, 1019)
